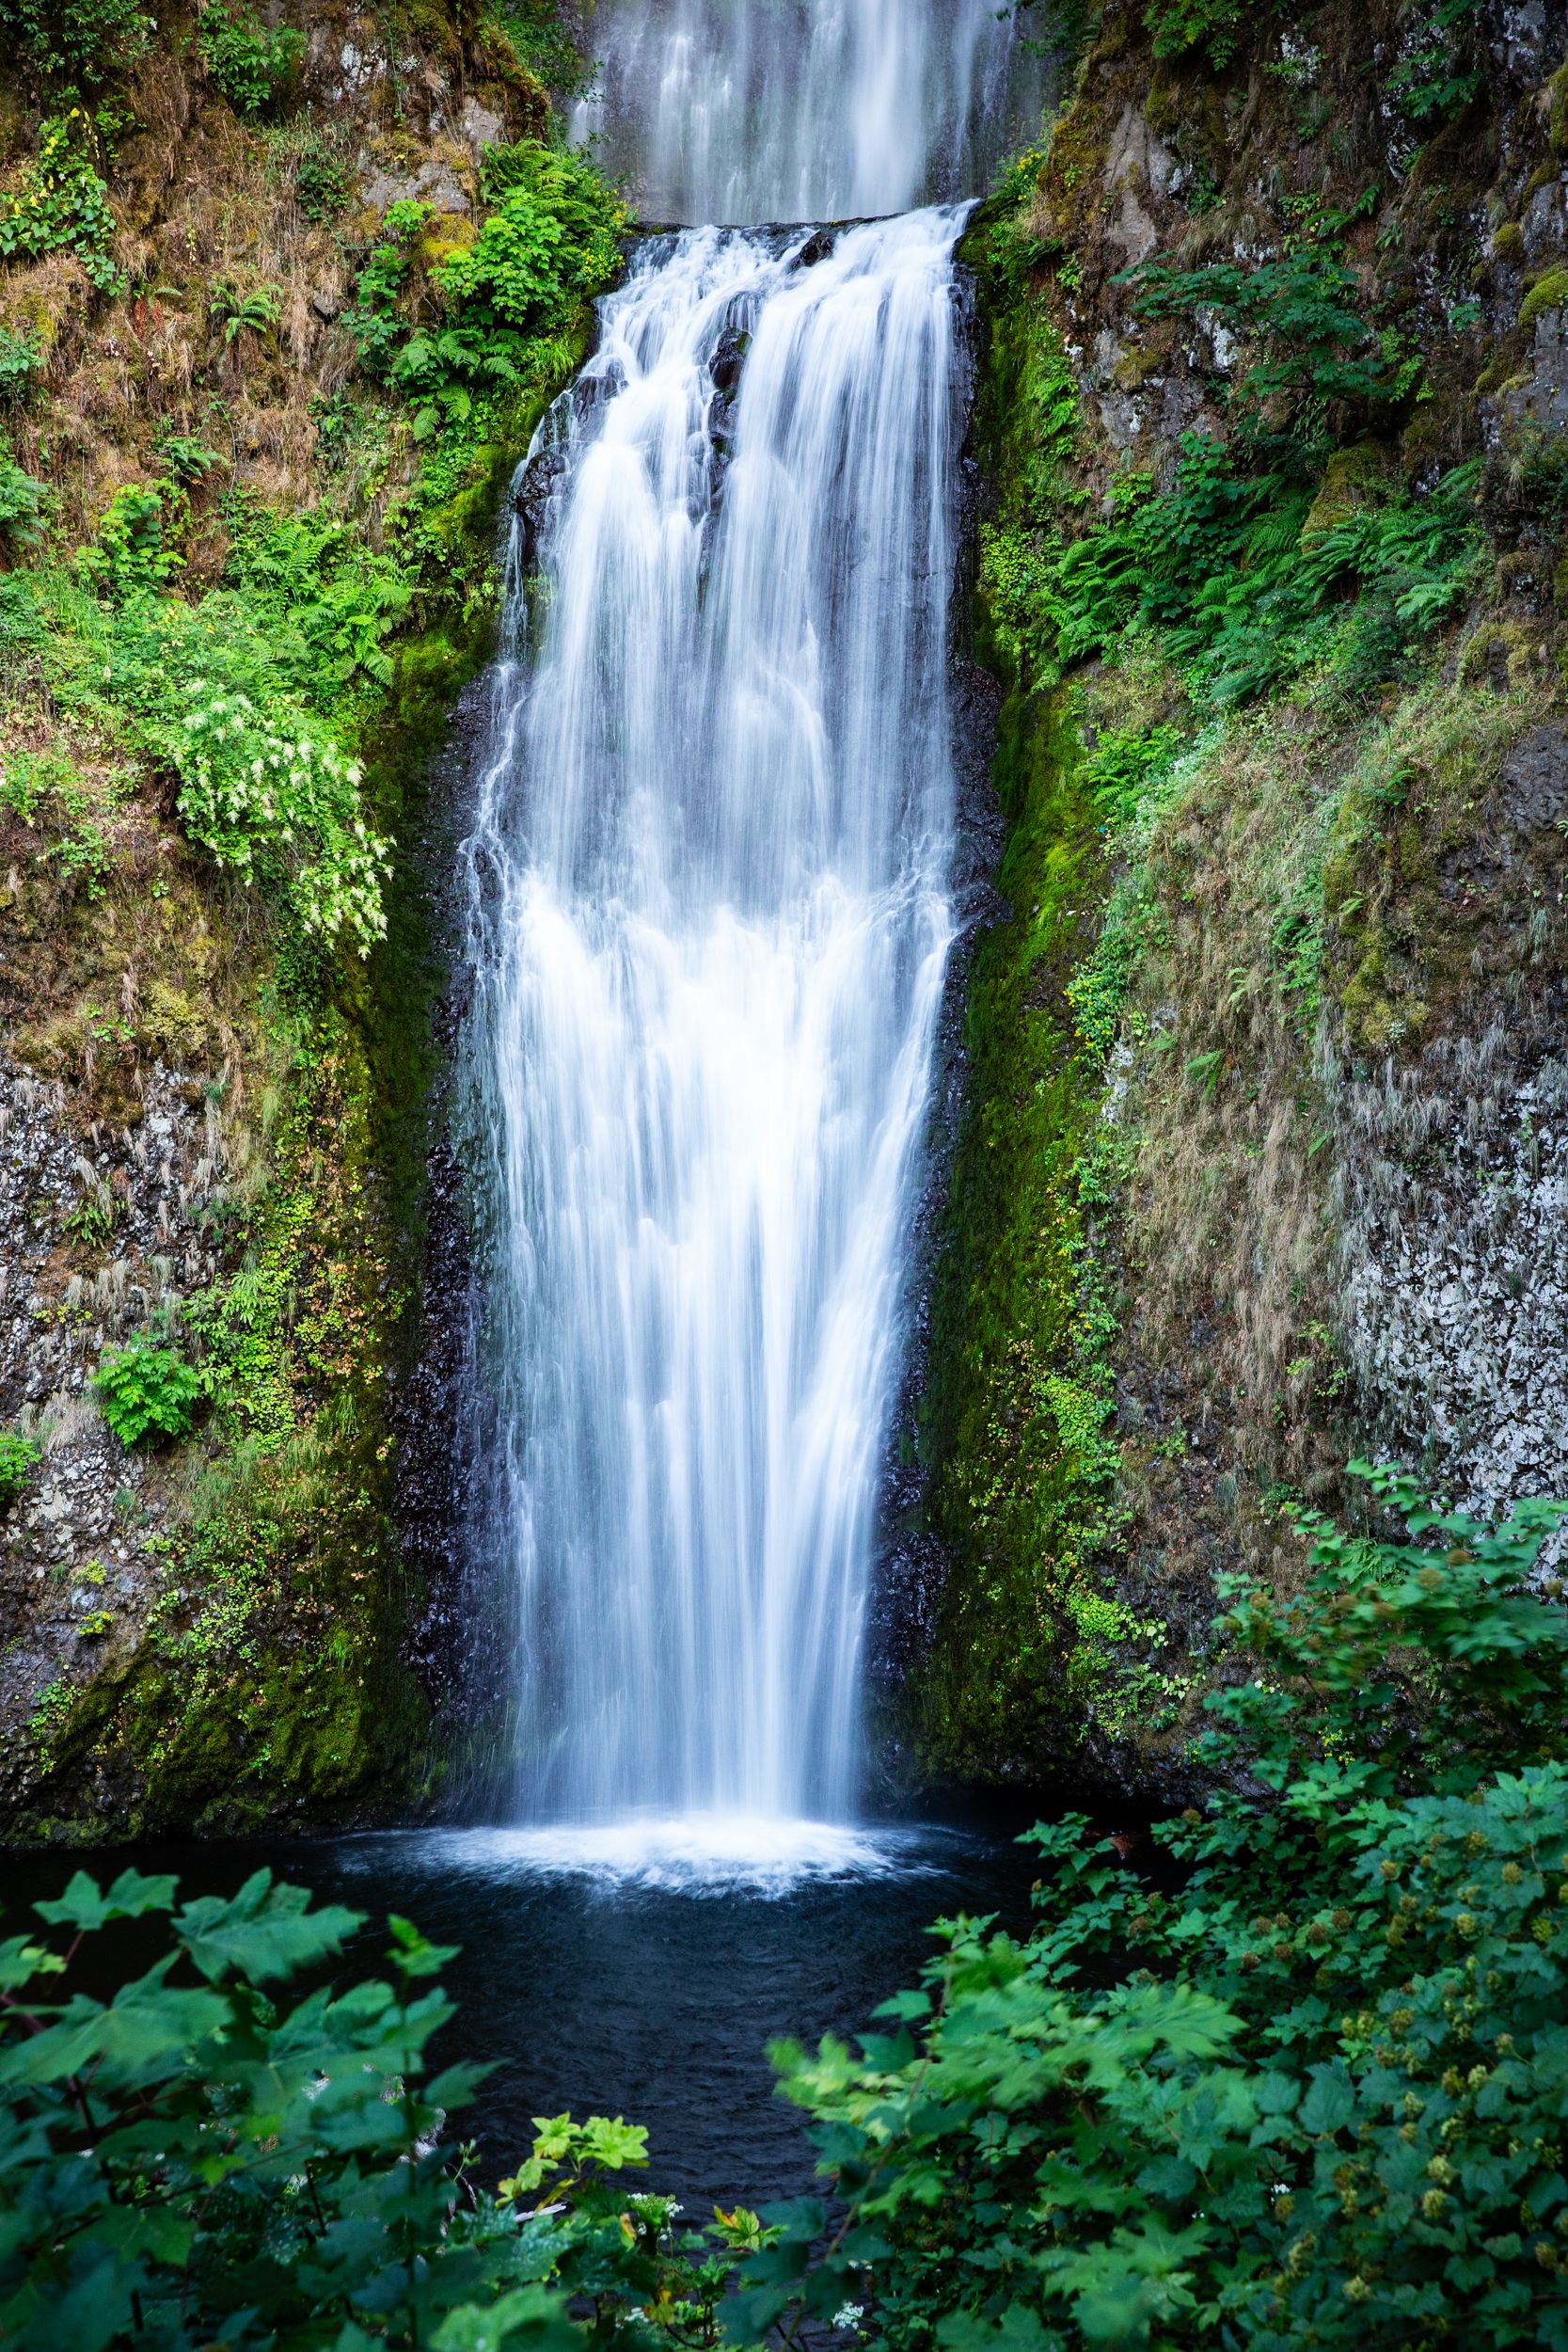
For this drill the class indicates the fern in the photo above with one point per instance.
(1179, 26)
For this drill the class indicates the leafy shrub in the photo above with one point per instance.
(244, 310)
(147, 1391)
(200, 2159)
(1438, 72)
(254, 798)
(93, 1218)
(320, 185)
(1322, 2100)
(62, 205)
(20, 362)
(542, 43)
(213, 692)
(45, 791)
(551, 241)
(1122, 768)
(187, 459)
(19, 1455)
(128, 554)
(20, 621)
(315, 573)
(373, 317)
(255, 68)
(76, 41)
(22, 500)
(1223, 567)
(1179, 26)
(550, 244)
(1317, 347)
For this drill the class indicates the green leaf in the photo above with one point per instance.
(148, 2027)
(1330, 2102)
(22, 1961)
(413, 1953)
(131, 1897)
(536, 2316)
(263, 1932)
(1169, 2176)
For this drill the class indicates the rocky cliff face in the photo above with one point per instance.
(1264, 1163)
(213, 1117)
(1264, 1134)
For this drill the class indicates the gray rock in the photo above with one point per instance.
(1543, 223)
(1543, 402)
(1137, 161)
(435, 183)
(479, 127)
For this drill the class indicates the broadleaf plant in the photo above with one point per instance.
(1313, 2090)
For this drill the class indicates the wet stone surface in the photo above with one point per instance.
(99, 1228)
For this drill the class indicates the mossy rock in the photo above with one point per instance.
(1353, 478)
(1501, 654)
(1557, 111)
(1549, 293)
(177, 1026)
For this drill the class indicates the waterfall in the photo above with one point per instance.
(747, 110)
(709, 929)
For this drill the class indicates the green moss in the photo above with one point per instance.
(1406, 944)
(1032, 1649)
(1549, 293)
(1556, 114)
(1013, 1446)
(1352, 479)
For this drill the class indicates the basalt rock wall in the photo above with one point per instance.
(1263, 1162)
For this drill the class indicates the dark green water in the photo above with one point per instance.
(644, 1989)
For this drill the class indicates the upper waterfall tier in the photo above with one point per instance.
(711, 925)
(754, 110)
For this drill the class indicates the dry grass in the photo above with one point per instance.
(1281, 1178)
(1229, 1372)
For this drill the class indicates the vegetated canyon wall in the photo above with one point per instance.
(1262, 1158)
(225, 510)
(1263, 1167)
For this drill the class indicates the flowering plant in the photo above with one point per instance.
(264, 801)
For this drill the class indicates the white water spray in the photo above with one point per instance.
(747, 110)
(720, 821)
(710, 927)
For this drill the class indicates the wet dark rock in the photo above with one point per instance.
(429, 1411)
(533, 494)
(817, 248)
(1535, 779)
(728, 359)
(911, 1568)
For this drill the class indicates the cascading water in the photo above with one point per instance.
(710, 925)
(745, 110)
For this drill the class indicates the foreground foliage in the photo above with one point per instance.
(1317, 2097)
(200, 2161)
